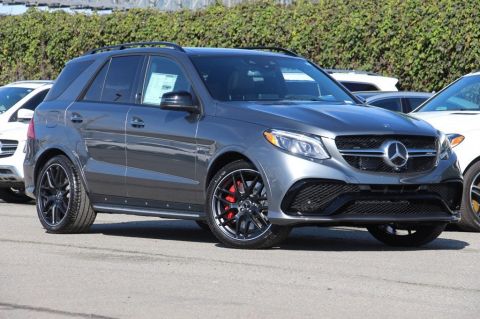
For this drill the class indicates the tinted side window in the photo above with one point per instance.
(393, 104)
(357, 86)
(95, 90)
(71, 71)
(163, 76)
(121, 79)
(414, 102)
(31, 104)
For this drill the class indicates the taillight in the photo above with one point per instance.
(31, 129)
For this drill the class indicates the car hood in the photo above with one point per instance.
(13, 131)
(451, 121)
(325, 119)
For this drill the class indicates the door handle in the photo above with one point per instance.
(76, 118)
(137, 122)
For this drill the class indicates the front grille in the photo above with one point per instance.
(366, 153)
(320, 197)
(8, 147)
(365, 142)
(392, 208)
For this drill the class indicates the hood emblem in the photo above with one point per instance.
(395, 154)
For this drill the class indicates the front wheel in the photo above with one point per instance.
(406, 235)
(237, 208)
(63, 205)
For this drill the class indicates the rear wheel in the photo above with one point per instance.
(471, 200)
(237, 208)
(14, 195)
(406, 235)
(63, 205)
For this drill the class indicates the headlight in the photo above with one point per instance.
(455, 139)
(297, 144)
(445, 147)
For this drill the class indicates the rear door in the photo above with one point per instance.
(99, 118)
(161, 144)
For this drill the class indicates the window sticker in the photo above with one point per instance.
(159, 84)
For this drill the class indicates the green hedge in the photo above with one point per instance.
(425, 43)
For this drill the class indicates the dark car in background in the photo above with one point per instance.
(401, 101)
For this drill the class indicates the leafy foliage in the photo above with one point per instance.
(425, 43)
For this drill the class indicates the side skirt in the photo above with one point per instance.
(152, 212)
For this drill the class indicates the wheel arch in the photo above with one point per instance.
(51, 152)
(477, 159)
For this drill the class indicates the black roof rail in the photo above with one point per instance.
(136, 44)
(279, 49)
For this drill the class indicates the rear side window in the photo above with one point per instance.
(414, 102)
(394, 104)
(121, 78)
(358, 86)
(94, 92)
(71, 71)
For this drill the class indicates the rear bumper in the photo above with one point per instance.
(334, 202)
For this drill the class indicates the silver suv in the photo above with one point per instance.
(247, 142)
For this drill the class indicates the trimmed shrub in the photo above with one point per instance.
(425, 43)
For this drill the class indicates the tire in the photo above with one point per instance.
(239, 217)
(15, 196)
(470, 208)
(420, 234)
(70, 210)
(203, 225)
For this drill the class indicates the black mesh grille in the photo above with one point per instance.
(377, 164)
(374, 141)
(400, 208)
(415, 164)
(319, 197)
(315, 197)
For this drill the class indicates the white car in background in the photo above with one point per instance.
(17, 104)
(361, 81)
(456, 111)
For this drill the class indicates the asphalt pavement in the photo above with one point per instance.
(137, 267)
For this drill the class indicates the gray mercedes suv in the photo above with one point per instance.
(247, 142)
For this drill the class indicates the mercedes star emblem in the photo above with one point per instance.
(395, 154)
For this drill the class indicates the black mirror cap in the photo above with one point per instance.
(179, 101)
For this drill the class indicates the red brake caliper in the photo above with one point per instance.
(230, 198)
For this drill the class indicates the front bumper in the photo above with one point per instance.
(11, 168)
(335, 202)
(369, 196)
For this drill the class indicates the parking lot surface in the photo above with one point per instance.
(137, 267)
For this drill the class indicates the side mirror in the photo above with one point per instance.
(24, 115)
(179, 101)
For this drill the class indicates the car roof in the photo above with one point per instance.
(33, 84)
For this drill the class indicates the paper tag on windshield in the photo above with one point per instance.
(159, 84)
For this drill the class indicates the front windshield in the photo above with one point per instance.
(9, 96)
(267, 78)
(462, 95)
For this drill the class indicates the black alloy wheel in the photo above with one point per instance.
(238, 208)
